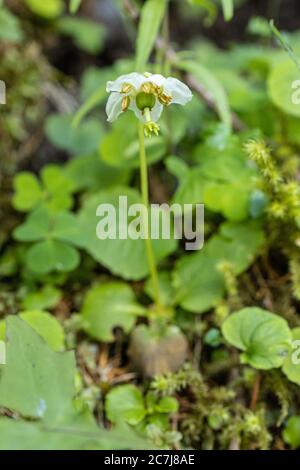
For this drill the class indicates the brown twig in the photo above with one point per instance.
(255, 392)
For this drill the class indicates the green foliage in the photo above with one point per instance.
(61, 287)
(107, 306)
(55, 236)
(126, 403)
(38, 383)
(227, 6)
(82, 139)
(10, 28)
(291, 366)
(213, 87)
(120, 148)
(47, 327)
(74, 5)
(54, 191)
(264, 338)
(46, 297)
(198, 279)
(280, 89)
(114, 254)
(291, 433)
(151, 17)
(86, 34)
(48, 10)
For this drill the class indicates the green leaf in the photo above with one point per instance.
(291, 365)
(227, 6)
(198, 281)
(10, 29)
(291, 432)
(28, 191)
(125, 403)
(74, 5)
(120, 146)
(152, 15)
(47, 297)
(54, 232)
(94, 100)
(213, 87)
(79, 434)
(83, 139)
(89, 172)
(284, 43)
(264, 338)
(87, 35)
(125, 258)
(280, 87)
(36, 381)
(52, 255)
(167, 292)
(107, 306)
(35, 227)
(209, 7)
(48, 10)
(47, 327)
(167, 405)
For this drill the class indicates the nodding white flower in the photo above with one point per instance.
(146, 95)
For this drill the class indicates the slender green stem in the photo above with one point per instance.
(145, 200)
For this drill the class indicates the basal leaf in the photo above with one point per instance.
(124, 257)
(47, 326)
(280, 87)
(36, 381)
(264, 338)
(125, 403)
(107, 306)
(291, 365)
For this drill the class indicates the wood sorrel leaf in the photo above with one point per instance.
(107, 306)
(264, 337)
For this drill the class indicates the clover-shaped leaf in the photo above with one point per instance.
(125, 403)
(54, 190)
(264, 337)
(55, 234)
(107, 306)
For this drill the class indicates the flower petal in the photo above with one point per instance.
(157, 79)
(156, 111)
(135, 79)
(181, 94)
(114, 106)
(133, 107)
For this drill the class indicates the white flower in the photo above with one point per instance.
(145, 95)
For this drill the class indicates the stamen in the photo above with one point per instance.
(165, 99)
(125, 103)
(147, 87)
(126, 88)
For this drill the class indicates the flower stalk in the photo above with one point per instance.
(145, 200)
